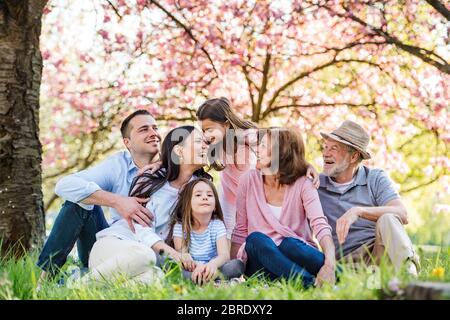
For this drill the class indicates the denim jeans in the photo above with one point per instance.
(73, 224)
(291, 259)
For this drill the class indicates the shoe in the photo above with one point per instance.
(411, 269)
(416, 259)
(231, 282)
(221, 283)
(237, 280)
(73, 280)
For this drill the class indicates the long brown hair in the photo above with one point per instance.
(219, 110)
(292, 162)
(182, 213)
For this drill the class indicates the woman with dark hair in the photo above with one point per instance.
(120, 250)
(231, 142)
(278, 211)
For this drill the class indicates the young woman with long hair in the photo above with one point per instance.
(120, 250)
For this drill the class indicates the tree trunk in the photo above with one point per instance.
(21, 207)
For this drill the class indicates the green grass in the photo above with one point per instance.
(18, 280)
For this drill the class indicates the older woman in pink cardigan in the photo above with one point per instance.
(277, 208)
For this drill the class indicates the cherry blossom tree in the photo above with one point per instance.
(310, 64)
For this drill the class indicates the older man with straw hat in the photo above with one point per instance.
(365, 212)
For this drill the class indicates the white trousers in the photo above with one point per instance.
(111, 256)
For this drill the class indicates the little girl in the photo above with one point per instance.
(199, 234)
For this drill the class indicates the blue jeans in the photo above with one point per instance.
(291, 259)
(73, 224)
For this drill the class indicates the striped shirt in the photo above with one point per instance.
(203, 246)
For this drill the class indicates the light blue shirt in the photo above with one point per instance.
(203, 246)
(114, 175)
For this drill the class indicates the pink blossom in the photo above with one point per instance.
(47, 10)
(235, 61)
(45, 55)
(104, 34)
(58, 63)
(174, 70)
(124, 92)
(120, 38)
(260, 43)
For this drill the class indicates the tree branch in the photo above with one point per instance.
(309, 72)
(440, 7)
(50, 201)
(421, 53)
(249, 83)
(315, 105)
(263, 89)
(187, 30)
(295, 79)
(421, 185)
(116, 11)
(348, 46)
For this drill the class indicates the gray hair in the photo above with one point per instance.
(352, 150)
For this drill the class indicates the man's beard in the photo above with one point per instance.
(337, 170)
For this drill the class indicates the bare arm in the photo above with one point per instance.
(186, 260)
(208, 271)
(234, 249)
(395, 206)
(327, 245)
(178, 244)
(152, 168)
(162, 247)
(344, 223)
(327, 271)
(223, 253)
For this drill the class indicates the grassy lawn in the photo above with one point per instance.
(18, 280)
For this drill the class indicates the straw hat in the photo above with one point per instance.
(351, 134)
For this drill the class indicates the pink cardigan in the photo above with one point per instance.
(301, 211)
